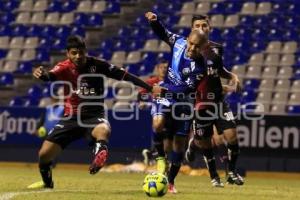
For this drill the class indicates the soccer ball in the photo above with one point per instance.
(155, 184)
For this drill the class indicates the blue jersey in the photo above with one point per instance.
(52, 116)
(183, 72)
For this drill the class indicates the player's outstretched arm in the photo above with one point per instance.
(160, 30)
(234, 82)
(42, 74)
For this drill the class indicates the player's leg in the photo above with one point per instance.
(190, 153)
(233, 153)
(177, 156)
(100, 134)
(226, 125)
(218, 142)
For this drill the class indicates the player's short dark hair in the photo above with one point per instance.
(75, 41)
(200, 17)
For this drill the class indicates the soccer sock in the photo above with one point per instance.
(233, 153)
(177, 158)
(158, 139)
(210, 162)
(46, 173)
(222, 152)
(100, 145)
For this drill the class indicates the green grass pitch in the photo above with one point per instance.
(75, 183)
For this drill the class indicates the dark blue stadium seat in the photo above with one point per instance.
(42, 56)
(59, 44)
(296, 74)
(112, 8)
(35, 92)
(246, 21)
(95, 20)
(151, 35)
(6, 79)
(293, 109)
(49, 31)
(29, 101)
(141, 21)
(279, 8)
(292, 21)
(55, 6)
(243, 46)
(2, 53)
(78, 30)
(136, 45)
(261, 21)
(233, 97)
(275, 34)
(294, 8)
(10, 5)
(251, 84)
(34, 31)
(81, 19)
(241, 58)
(216, 34)
(19, 30)
(232, 7)
(16, 101)
(69, 6)
(133, 68)
(107, 44)
(124, 31)
(217, 8)
(5, 30)
(260, 34)
(291, 34)
(105, 54)
(45, 43)
(6, 18)
(163, 56)
(257, 46)
(24, 68)
(121, 45)
(63, 32)
(229, 34)
(248, 96)
(138, 32)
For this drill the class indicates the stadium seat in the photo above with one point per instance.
(37, 18)
(285, 73)
(294, 98)
(274, 47)
(231, 21)
(66, 18)
(248, 96)
(289, 47)
(7, 18)
(264, 97)
(233, 7)
(278, 109)
(239, 70)
(251, 84)
(10, 66)
(81, 19)
(164, 47)
(13, 54)
(151, 45)
(59, 44)
(112, 8)
(280, 97)
(42, 56)
(40, 5)
(78, 30)
(217, 8)
(266, 85)
(287, 60)
(63, 32)
(35, 92)
(16, 101)
(118, 57)
(254, 72)
(2, 54)
(263, 8)
(25, 6)
(293, 109)
(6, 79)
(67, 6)
(4, 42)
(98, 6)
(282, 85)
(19, 30)
(52, 18)
(202, 8)
(84, 6)
(269, 72)
(217, 20)
(187, 8)
(16, 43)
(295, 87)
(248, 8)
(23, 18)
(95, 20)
(133, 57)
(24, 68)
(256, 59)
(185, 21)
(272, 60)
(55, 6)
(31, 102)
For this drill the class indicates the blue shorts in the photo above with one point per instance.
(178, 117)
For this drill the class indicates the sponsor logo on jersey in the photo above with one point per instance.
(93, 69)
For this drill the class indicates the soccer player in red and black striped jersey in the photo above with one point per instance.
(83, 106)
(210, 91)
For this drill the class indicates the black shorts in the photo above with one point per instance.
(221, 116)
(67, 131)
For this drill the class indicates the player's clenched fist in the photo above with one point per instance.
(38, 72)
(151, 16)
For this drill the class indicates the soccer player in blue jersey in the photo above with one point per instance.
(177, 102)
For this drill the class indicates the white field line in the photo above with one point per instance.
(10, 195)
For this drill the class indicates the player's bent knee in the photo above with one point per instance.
(231, 136)
(158, 126)
(101, 131)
